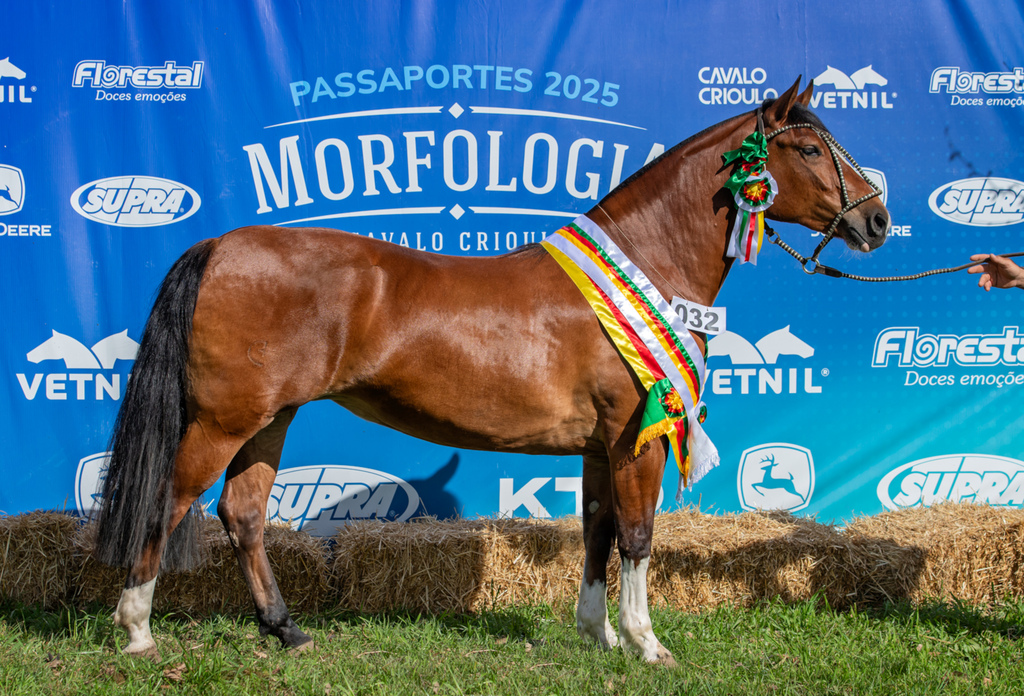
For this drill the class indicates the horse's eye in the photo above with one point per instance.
(811, 150)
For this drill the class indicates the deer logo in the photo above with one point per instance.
(776, 476)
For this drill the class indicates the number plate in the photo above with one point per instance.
(697, 317)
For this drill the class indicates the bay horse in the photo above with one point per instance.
(499, 353)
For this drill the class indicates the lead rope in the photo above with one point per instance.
(774, 238)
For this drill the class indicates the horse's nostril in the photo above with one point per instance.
(879, 224)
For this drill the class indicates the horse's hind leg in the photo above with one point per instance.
(636, 484)
(243, 510)
(201, 457)
(598, 533)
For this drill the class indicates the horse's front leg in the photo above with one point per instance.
(636, 484)
(598, 533)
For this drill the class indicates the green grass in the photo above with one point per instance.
(771, 649)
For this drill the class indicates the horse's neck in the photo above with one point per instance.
(671, 221)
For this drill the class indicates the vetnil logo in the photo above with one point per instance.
(135, 201)
(9, 92)
(758, 378)
(854, 91)
(88, 372)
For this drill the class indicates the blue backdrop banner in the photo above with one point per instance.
(129, 131)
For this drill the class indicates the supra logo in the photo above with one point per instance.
(170, 75)
(103, 355)
(978, 478)
(765, 352)
(851, 90)
(92, 471)
(984, 201)
(135, 201)
(319, 499)
(775, 476)
(10, 70)
(12, 189)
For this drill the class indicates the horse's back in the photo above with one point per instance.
(488, 352)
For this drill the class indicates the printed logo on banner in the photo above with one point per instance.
(12, 189)
(775, 476)
(9, 92)
(319, 499)
(72, 384)
(1008, 86)
(377, 166)
(512, 500)
(758, 378)
(973, 478)
(12, 200)
(734, 85)
(135, 201)
(983, 201)
(858, 90)
(109, 80)
(909, 347)
(92, 471)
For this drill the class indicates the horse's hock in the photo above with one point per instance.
(965, 552)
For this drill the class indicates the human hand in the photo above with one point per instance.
(997, 271)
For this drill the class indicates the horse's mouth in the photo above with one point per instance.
(865, 240)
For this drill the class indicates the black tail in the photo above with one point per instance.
(136, 502)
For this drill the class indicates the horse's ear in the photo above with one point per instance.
(805, 96)
(776, 114)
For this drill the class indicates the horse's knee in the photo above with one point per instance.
(243, 523)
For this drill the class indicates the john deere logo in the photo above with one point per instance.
(776, 476)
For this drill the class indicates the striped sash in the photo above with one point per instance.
(650, 337)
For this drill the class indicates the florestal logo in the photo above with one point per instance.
(977, 478)
(92, 471)
(852, 91)
(734, 85)
(170, 75)
(775, 476)
(777, 380)
(9, 95)
(135, 201)
(953, 80)
(984, 201)
(319, 499)
(109, 81)
(102, 359)
(912, 348)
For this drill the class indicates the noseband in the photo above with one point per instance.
(836, 150)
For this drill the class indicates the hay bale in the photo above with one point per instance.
(217, 585)
(37, 563)
(425, 565)
(969, 552)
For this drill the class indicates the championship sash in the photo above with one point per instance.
(650, 337)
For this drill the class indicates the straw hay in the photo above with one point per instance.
(967, 552)
(36, 560)
(970, 552)
(217, 585)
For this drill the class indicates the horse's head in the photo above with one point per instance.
(816, 182)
